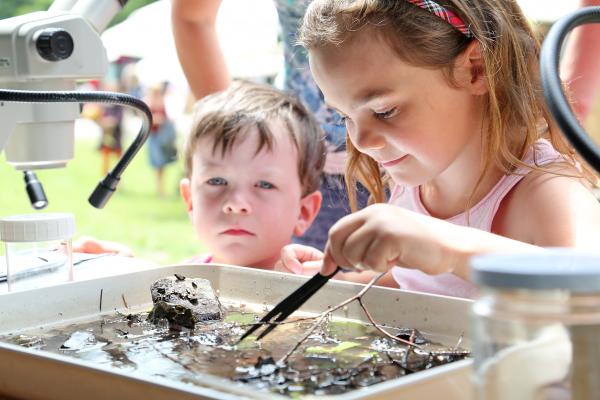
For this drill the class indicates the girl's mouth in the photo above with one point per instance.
(388, 164)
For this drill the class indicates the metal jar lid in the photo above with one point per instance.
(557, 268)
(37, 227)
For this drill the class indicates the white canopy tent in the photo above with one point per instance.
(247, 30)
(547, 10)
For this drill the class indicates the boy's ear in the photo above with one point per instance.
(309, 208)
(471, 69)
(186, 193)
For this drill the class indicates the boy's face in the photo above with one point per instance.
(245, 206)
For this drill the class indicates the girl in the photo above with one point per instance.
(442, 101)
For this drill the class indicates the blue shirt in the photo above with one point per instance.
(297, 76)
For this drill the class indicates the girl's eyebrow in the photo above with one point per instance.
(369, 94)
(364, 97)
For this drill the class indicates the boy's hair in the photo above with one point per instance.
(227, 115)
(518, 115)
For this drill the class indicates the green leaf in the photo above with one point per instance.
(240, 318)
(248, 343)
(345, 330)
(331, 350)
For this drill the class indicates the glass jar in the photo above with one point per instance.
(38, 249)
(536, 325)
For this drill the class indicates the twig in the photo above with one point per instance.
(124, 302)
(460, 339)
(383, 331)
(319, 318)
(100, 306)
(310, 331)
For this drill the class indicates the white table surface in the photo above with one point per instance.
(90, 266)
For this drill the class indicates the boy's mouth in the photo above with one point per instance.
(237, 232)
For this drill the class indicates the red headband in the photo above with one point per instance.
(445, 14)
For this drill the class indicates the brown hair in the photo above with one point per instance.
(226, 116)
(517, 113)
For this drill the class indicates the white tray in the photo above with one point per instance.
(34, 374)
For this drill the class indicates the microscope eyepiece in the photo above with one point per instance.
(54, 44)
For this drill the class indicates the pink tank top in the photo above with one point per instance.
(480, 216)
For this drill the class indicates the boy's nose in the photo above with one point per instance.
(236, 205)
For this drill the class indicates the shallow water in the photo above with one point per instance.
(342, 355)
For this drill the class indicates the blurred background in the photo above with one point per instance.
(146, 213)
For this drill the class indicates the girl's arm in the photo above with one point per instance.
(382, 236)
(543, 210)
(552, 211)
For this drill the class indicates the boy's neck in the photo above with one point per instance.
(267, 265)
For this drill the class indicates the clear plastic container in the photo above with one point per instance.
(38, 249)
(536, 326)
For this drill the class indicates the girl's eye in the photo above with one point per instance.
(386, 114)
(265, 185)
(216, 181)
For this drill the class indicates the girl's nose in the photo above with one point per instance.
(366, 138)
(236, 204)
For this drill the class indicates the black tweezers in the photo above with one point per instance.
(290, 304)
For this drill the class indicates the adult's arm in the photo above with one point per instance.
(198, 48)
(580, 65)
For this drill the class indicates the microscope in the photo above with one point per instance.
(42, 57)
(554, 94)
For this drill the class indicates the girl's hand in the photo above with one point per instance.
(300, 259)
(88, 244)
(382, 236)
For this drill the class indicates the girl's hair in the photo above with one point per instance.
(227, 115)
(516, 112)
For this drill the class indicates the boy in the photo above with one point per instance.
(253, 160)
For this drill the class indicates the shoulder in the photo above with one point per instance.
(550, 208)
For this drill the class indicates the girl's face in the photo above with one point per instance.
(407, 118)
(245, 206)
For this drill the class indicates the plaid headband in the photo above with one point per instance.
(445, 14)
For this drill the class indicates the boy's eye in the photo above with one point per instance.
(265, 185)
(386, 114)
(216, 181)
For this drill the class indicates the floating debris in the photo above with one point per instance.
(339, 357)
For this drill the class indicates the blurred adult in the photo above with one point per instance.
(161, 142)
(110, 119)
(580, 65)
(202, 60)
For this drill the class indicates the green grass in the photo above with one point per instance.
(154, 228)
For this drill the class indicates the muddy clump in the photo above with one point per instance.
(184, 302)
